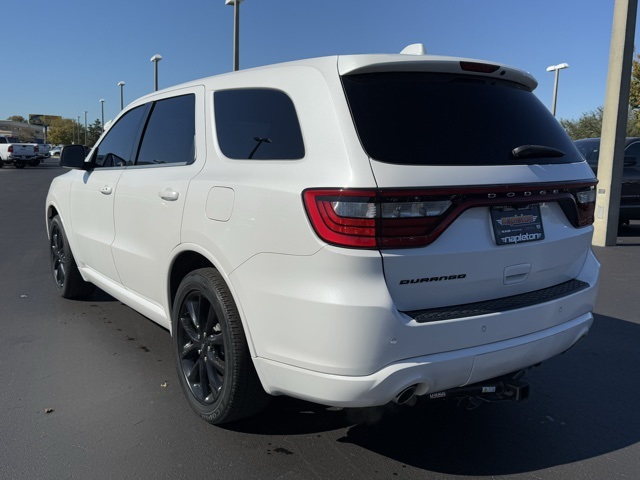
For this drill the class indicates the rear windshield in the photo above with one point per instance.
(446, 119)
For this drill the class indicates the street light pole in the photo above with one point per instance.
(102, 109)
(155, 59)
(556, 68)
(121, 85)
(78, 117)
(85, 127)
(236, 32)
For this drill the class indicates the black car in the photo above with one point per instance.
(630, 196)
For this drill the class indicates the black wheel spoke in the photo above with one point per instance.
(187, 326)
(193, 310)
(189, 351)
(217, 362)
(215, 381)
(58, 257)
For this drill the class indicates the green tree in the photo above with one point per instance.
(634, 92)
(93, 132)
(64, 131)
(590, 124)
(17, 118)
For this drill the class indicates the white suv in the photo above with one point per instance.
(348, 230)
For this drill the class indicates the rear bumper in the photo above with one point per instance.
(429, 373)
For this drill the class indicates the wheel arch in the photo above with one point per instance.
(193, 258)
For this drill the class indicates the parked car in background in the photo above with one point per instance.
(16, 152)
(55, 151)
(589, 148)
(318, 229)
(44, 150)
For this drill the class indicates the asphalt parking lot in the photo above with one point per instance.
(88, 390)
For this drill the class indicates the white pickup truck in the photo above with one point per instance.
(20, 154)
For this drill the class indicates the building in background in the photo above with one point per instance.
(20, 129)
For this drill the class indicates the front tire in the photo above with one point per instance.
(66, 275)
(210, 351)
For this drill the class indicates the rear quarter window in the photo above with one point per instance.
(257, 124)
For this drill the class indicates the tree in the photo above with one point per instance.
(634, 93)
(93, 132)
(589, 124)
(64, 131)
(17, 118)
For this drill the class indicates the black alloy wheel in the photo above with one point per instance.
(66, 275)
(210, 351)
(202, 353)
(58, 256)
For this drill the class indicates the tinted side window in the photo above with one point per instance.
(257, 124)
(116, 149)
(631, 154)
(169, 136)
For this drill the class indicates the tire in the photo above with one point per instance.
(1, 163)
(210, 351)
(34, 163)
(20, 163)
(66, 275)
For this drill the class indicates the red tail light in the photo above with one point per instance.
(36, 148)
(10, 149)
(414, 218)
(479, 67)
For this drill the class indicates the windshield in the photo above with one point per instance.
(422, 118)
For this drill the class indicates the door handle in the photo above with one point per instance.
(169, 195)
(106, 190)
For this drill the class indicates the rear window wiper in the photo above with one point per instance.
(536, 151)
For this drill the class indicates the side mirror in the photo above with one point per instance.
(73, 156)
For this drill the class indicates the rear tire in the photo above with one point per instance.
(210, 351)
(66, 275)
(20, 163)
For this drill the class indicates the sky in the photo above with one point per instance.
(61, 58)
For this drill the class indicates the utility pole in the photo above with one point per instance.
(614, 124)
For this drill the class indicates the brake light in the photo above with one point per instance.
(374, 219)
(586, 205)
(10, 149)
(415, 218)
(478, 67)
(36, 148)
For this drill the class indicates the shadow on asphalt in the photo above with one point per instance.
(583, 405)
